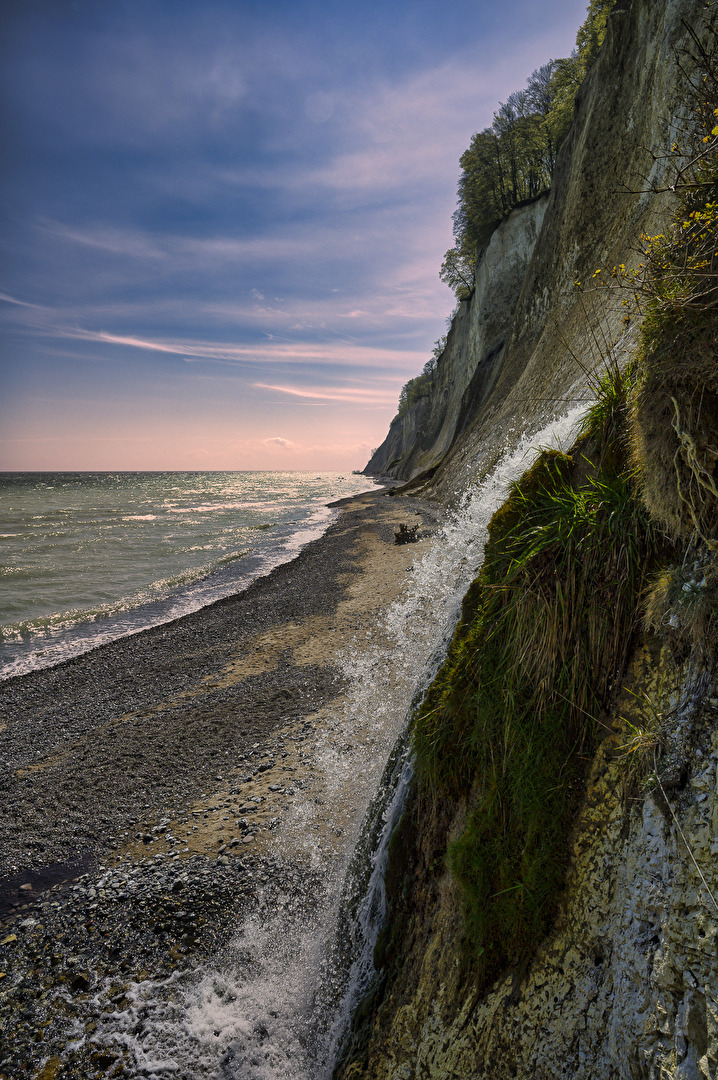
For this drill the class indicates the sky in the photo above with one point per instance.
(222, 221)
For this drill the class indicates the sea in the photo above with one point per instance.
(89, 557)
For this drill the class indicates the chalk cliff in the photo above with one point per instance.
(419, 439)
(518, 347)
(625, 984)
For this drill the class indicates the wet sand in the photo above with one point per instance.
(150, 787)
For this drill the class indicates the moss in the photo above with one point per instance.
(510, 720)
(550, 469)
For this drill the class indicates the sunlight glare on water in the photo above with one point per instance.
(86, 558)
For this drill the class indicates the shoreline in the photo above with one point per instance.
(76, 639)
(166, 764)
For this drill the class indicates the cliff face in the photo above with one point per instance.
(518, 347)
(624, 984)
(420, 438)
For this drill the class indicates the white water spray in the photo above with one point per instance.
(280, 1005)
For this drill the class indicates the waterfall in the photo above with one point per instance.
(278, 1004)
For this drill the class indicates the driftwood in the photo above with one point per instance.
(406, 534)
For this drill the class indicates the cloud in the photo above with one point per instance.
(357, 396)
(277, 440)
(168, 247)
(177, 168)
(269, 352)
(19, 303)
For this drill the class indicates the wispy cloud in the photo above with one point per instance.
(163, 247)
(19, 303)
(269, 353)
(355, 395)
(214, 207)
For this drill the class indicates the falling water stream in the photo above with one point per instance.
(278, 1003)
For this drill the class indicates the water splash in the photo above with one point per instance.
(418, 628)
(279, 1005)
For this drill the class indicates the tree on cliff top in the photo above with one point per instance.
(513, 160)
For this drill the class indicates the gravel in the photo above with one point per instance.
(102, 757)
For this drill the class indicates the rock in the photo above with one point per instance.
(50, 1069)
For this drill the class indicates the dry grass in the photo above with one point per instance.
(675, 411)
(682, 608)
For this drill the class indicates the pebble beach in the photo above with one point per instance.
(147, 785)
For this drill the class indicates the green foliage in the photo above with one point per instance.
(607, 421)
(457, 271)
(512, 161)
(413, 390)
(568, 74)
(420, 386)
(509, 721)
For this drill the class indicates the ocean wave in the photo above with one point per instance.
(76, 580)
(209, 508)
(61, 621)
(232, 557)
(56, 623)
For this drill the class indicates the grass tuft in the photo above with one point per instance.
(510, 720)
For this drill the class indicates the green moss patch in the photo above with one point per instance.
(514, 713)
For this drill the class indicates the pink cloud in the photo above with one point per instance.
(271, 351)
(357, 395)
(277, 440)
